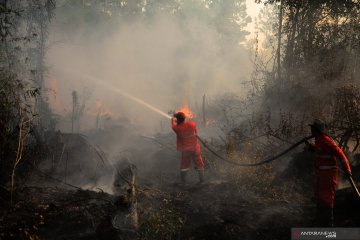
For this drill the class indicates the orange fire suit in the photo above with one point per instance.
(187, 144)
(326, 169)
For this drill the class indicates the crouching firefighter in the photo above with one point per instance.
(326, 171)
(188, 145)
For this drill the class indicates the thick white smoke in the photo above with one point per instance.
(165, 62)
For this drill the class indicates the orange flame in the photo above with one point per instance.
(101, 110)
(54, 101)
(53, 85)
(186, 110)
(99, 105)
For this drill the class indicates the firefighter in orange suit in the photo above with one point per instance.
(326, 171)
(188, 145)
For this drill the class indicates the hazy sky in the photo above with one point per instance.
(253, 10)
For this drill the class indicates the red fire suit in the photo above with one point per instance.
(326, 169)
(187, 144)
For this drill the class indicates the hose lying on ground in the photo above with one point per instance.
(254, 164)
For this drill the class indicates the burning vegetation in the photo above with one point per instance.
(86, 146)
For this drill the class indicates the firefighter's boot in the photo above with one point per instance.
(201, 176)
(183, 177)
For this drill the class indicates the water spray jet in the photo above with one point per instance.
(123, 93)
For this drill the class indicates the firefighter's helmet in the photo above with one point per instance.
(318, 125)
(180, 116)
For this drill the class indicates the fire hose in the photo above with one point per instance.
(253, 164)
(353, 185)
(350, 179)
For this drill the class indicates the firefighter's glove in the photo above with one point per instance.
(309, 146)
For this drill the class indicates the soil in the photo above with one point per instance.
(226, 206)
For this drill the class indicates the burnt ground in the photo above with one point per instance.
(232, 204)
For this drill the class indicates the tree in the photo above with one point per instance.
(319, 46)
(228, 17)
(21, 68)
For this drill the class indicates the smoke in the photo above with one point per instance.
(164, 62)
(137, 69)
